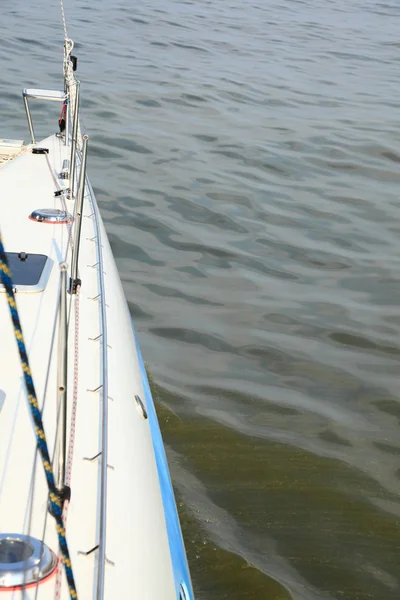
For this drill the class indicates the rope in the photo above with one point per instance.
(63, 19)
(54, 496)
(70, 80)
(75, 390)
(69, 77)
(71, 85)
(72, 427)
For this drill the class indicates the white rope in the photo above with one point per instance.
(70, 80)
(71, 84)
(64, 21)
(72, 434)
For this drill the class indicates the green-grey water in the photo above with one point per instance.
(245, 158)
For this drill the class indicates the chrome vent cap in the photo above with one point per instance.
(50, 215)
(24, 560)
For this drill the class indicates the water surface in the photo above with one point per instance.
(246, 160)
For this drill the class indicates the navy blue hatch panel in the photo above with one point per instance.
(26, 269)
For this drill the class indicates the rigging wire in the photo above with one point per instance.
(55, 499)
(33, 476)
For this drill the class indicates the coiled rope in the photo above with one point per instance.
(69, 77)
(54, 496)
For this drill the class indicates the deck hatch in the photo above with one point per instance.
(30, 272)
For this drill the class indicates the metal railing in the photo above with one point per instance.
(80, 157)
(53, 95)
(74, 144)
(62, 381)
(84, 186)
(78, 218)
(104, 419)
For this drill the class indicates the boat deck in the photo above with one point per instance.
(137, 543)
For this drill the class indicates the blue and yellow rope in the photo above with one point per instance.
(54, 496)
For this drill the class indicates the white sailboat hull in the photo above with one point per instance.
(143, 543)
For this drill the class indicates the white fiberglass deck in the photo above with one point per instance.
(136, 537)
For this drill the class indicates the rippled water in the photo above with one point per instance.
(246, 162)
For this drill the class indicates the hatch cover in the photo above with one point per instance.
(29, 272)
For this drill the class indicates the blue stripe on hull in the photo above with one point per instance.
(176, 545)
